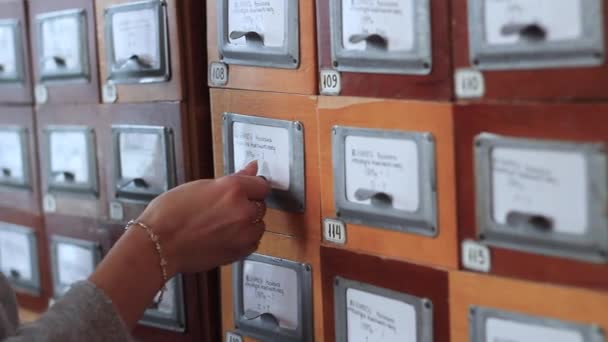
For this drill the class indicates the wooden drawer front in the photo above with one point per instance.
(538, 239)
(377, 283)
(80, 83)
(15, 81)
(507, 308)
(165, 85)
(430, 238)
(296, 76)
(20, 189)
(67, 189)
(420, 73)
(295, 118)
(278, 246)
(506, 70)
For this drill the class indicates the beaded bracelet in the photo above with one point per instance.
(163, 261)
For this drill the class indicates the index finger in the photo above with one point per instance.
(257, 188)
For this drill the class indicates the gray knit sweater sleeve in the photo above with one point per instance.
(84, 313)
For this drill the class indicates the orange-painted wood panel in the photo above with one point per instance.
(533, 299)
(284, 107)
(302, 80)
(435, 118)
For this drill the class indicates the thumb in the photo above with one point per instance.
(250, 169)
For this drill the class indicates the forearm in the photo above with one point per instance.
(130, 275)
(84, 313)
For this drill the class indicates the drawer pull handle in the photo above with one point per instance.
(374, 40)
(532, 32)
(378, 199)
(530, 221)
(251, 37)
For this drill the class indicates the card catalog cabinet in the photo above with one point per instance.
(371, 298)
(140, 46)
(144, 145)
(530, 50)
(484, 308)
(398, 49)
(388, 178)
(532, 191)
(280, 131)
(70, 172)
(266, 45)
(15, 75)
(19, 184)
(275, 293)
(64, 51)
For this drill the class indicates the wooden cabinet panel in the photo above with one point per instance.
(20, 92)
(529, 84)
(414, 280)
(69, 91)
(302, 80)
(436, 119)
(296, 108)
(284, 247)
(436, 85)
(17, 198)
(576, 123)
(521, 297)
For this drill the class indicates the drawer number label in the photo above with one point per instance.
(334, 231)
(469, 84)
(476, 256)
(330, 82)
(232, 337)
(218, 74)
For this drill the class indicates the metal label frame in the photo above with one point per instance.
(418, 61)
(293, 199)
(24, 182)
(255, 328)
(176, 321)
(585, 52)
(479, 315)
(94, 247)
(76, 75)
(28, 286)
(285, 57)
(591, 247)
(424, 220)
(19, 78)
(116, 74)
(423, 307)
(91, 187)
(129, 191)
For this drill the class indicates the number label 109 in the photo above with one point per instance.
(330, 82)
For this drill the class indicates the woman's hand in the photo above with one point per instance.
(201, 225)
(209, 223)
